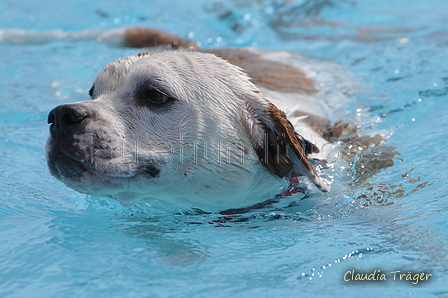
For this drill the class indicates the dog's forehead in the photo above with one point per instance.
(184, 67)
(112, 76)
(164, 67)
(170, 67)
(162, 62)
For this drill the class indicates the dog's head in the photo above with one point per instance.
(184, 129)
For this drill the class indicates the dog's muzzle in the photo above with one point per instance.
(67, 119)
(81, 141)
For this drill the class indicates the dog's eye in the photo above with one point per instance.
(146, 94)
(155, 96)
(91, 91)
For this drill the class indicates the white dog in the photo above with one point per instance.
(185, 130)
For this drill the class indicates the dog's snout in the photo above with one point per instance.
(65, 117)
(67, 114)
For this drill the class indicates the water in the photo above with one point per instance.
(55, 242)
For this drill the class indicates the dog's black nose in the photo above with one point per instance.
(63, 118)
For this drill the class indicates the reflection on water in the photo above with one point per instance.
(158, 245)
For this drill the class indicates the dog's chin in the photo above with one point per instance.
(100, 178)
(64, 167)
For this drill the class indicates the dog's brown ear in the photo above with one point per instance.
(279, 148)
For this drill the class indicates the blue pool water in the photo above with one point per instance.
(55, 242)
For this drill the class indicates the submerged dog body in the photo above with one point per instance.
(177, 130)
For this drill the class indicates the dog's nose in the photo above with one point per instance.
(65, 117)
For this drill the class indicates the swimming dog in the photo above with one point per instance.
(185, 129)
